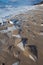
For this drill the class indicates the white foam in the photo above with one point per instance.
(14, 11)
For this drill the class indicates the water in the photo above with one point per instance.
(9, 7)
(19, 2)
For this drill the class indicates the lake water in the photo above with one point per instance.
(9, 7)
(18, 2)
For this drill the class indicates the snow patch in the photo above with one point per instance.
(41, 33)
(41, 5)
(20, 45)
(18, 36)
(17, 63)
(9, 29)
(41, 24)
(11, 22)
(31, 57)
